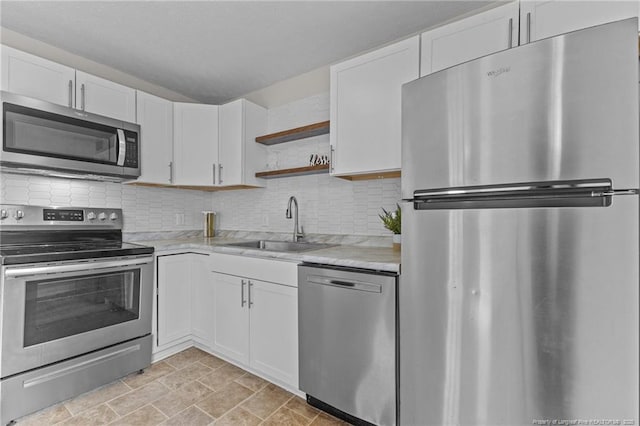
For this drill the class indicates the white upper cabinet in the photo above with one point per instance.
(155, 117)
(470, 38)
(104, 97)
(38, 78)
(365, 127)
(542, 19)
(195, 149)
(239, 156)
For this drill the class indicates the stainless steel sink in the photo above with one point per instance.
(290, 246)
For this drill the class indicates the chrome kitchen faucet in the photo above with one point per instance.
(297, 234)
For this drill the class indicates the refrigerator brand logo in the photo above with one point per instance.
(499, 71)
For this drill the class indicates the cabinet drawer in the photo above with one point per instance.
(277, 271)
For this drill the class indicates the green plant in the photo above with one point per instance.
(392, 220)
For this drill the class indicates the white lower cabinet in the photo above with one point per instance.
(207, 299)
(173, 298)
(256, 324)
(273, 330)
(202, 300)
(184, 300)
(231, 334)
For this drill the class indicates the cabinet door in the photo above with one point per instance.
(38, 78)
(195, 144)
(202, 300)
(231, 317)
(155, 117)
(470, 38)
(104, 97)
(174, 298)
(240, 157)
(542, 19)
(274, 330)
(231, 143)
(366, 109)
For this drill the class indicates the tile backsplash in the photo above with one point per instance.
(327, 205)
(144, 209)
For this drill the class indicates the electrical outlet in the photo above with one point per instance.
(265, 220)
(179, 218)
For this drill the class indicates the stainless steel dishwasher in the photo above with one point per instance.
(348, 342)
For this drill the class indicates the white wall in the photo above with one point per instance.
(328, 205)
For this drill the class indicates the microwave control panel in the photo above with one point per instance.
(131, 154)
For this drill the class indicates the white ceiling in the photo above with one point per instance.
(214, 51)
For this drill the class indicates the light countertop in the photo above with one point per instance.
(374, 258)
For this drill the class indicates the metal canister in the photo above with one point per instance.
(209, 224)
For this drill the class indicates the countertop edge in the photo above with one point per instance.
(316, 256)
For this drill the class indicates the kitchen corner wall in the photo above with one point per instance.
(328, 205)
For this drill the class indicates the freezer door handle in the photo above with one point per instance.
(568, 193)
(615, 192)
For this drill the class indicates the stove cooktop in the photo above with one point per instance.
(34, 234)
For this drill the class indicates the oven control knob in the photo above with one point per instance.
(113, 216)
(91, 216)
(102, 216)
(19, 214)
(4, 214)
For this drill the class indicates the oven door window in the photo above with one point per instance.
(57, 308)
(42, 133)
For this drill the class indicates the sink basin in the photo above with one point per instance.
(280, 245)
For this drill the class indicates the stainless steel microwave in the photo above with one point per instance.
(45, 138)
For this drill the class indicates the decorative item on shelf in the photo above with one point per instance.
(318, 160)
(393, 222)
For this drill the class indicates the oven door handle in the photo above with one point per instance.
(76, 267)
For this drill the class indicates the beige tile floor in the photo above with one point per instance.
(189, 388)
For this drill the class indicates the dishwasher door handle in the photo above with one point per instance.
(350, 284)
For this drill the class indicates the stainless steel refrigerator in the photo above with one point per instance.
(518, 296)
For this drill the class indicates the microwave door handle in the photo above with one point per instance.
(122, 147)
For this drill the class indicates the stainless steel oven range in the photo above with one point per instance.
(75, 304)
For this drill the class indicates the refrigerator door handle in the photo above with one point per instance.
(570, 193)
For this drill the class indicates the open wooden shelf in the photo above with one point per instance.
(308, 131)
(369, 176)
(206, 188)
(296, 171)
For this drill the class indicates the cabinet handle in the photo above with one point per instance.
(250, 301)
(170, 171)
(529, 27)
(82, 97)
(510, 32)
(220, 174)
(70, 93)
(331, 159)
(214, 174)
(242, 299)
